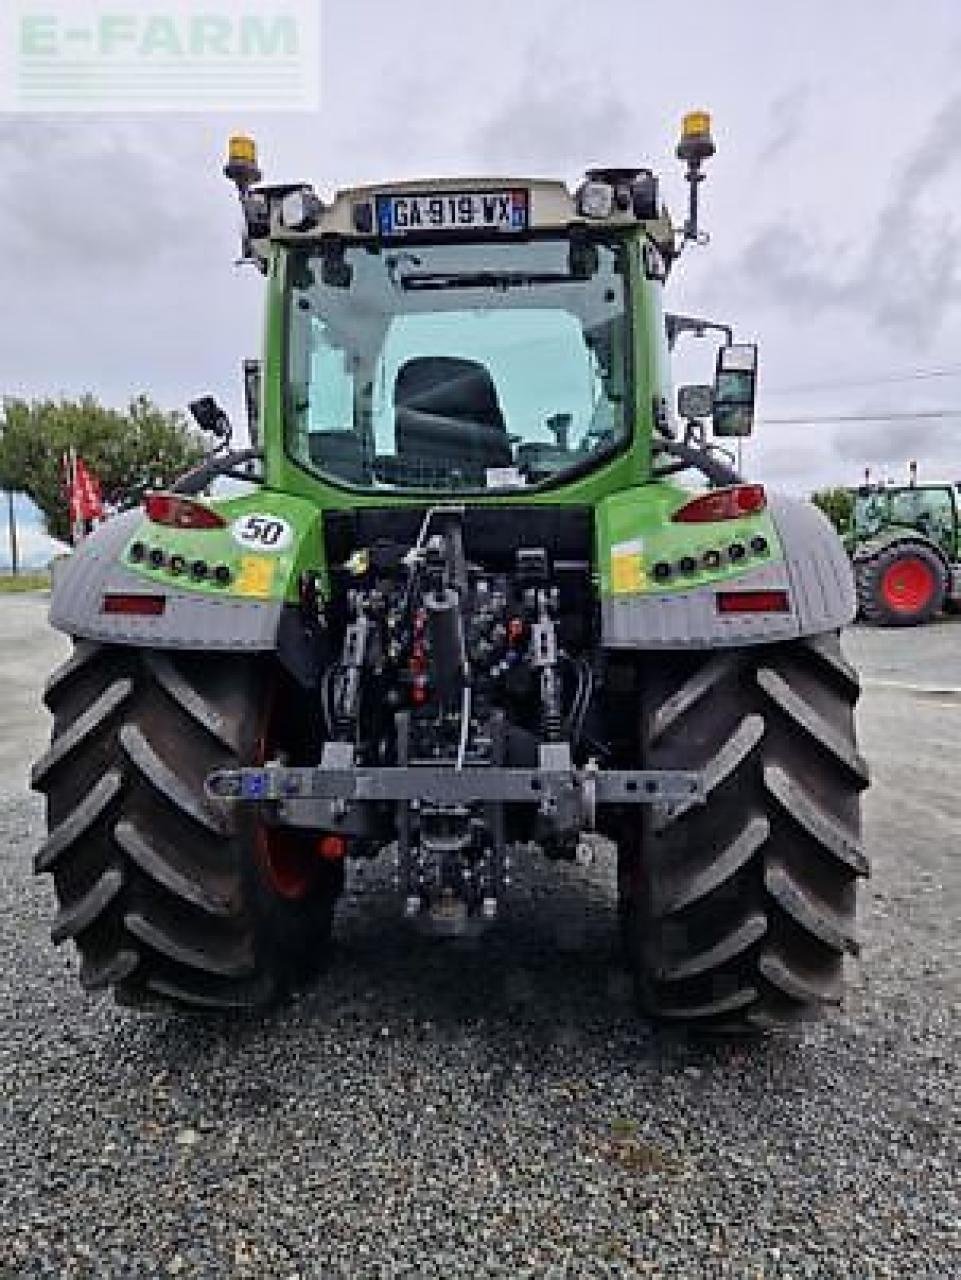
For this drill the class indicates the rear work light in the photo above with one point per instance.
(181, 513)
(722, 504)
(134, 604)
(753, 602)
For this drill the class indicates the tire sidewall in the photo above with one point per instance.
(870, 576)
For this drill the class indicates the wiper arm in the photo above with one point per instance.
(482, 280)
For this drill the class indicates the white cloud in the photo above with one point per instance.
(121, 233)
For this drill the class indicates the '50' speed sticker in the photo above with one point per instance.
(266, 533)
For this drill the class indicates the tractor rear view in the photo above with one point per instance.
(491, 597)
(905, 543)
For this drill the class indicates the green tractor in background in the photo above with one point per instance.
(905, 544)
(472, 612)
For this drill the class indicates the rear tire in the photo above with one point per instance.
(167, 895)
(737, 913)
(902, 585)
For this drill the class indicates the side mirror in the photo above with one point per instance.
(252, 375)
(209, 417)
(695, 401)
(735, 389)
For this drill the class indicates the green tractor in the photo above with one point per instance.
(469, 614)
(905, 543)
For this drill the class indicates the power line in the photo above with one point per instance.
(911, 416)
(917, 375)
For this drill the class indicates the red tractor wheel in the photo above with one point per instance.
(902, 585)
(908, 585)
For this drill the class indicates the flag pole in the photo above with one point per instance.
(77, 523)
(12, 526)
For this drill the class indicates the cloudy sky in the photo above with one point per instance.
(832, 202)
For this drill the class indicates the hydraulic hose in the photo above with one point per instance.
(196, 481)
(464, 727)
(709, 465)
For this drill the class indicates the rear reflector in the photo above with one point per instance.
(753, 602)
(332, 848)
(134, 605)
(181, 513)
(722, 504)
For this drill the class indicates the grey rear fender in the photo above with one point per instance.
(814, 571)
(190, 621)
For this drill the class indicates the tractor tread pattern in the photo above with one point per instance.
(235, 962)
(79, 821)
(734, 943)
(798, 804)
(144, 851)
(825, 650)
(85, 725)
(162, 778)
(160, 892)
(85, 652)
(87, 909)
(234, 999)
(720, 1006)
(806, 909)
(805, 988)
(670, 712)
(739, 912)
(680, 891)
(99, 975)
(175, 684)
(725, 761)
(794, 705)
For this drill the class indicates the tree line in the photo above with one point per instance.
(129, 451)
(139, 448)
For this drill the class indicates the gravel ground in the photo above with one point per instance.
(498, 1109)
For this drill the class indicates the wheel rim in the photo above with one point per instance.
(288, 861)
(908, 585)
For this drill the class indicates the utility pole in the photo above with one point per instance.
(12, 526)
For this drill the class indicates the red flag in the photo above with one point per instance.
(84, 495)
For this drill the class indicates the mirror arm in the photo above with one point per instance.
(701, 459)
(677, 324)
(196, 480)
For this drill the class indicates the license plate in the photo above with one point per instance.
(452, 211)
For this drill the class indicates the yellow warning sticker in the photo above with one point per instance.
(627, 567)
(256, 576)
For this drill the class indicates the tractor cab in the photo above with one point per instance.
(930, 509)
(463, 367)
(484, 337)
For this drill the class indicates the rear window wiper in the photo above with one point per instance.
(483, 280)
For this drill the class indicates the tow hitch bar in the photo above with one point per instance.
(307, 796)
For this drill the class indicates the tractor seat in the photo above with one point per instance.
(446, 413)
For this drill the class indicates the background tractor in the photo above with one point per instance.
(905, 543)
(474, 611)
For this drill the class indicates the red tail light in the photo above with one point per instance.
(722, 504)
(181, 513)
(135, 604)
(753, 602)
(332, 848)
